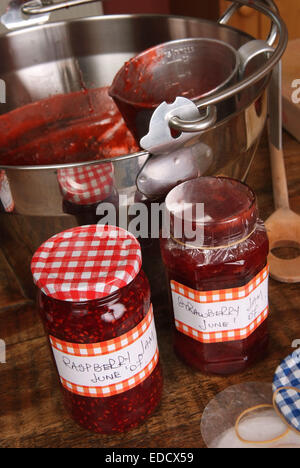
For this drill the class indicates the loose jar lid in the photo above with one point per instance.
(86, 263)
(85, 185)
(224, 210)
(286, 388)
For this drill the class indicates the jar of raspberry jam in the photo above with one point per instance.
(94, 301)
(216, 259)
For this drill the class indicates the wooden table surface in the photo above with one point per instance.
(31, 408)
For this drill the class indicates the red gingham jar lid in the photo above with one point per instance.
(86, 263)
(85, 185)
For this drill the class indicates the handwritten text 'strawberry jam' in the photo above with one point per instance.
(94, 300)
(216, 259)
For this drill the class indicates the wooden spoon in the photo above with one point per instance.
(284, 225)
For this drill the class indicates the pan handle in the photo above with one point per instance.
(267, 8)
(232, 9)
(38, 7)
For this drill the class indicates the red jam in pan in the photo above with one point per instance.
(77, 127)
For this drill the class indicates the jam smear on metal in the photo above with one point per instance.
(76, 127)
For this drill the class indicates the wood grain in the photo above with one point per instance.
(247, 19)
(289, 11)
(31, 408)
(258, 25)
(11, 292)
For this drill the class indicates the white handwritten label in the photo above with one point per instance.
(112, 372)
(224, 315)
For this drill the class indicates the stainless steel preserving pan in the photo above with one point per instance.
(38, 62)
(42, 61)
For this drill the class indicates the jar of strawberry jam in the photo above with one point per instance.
(94, 301)
(216, 259)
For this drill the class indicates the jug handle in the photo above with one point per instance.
(246, 54)
(249, 51)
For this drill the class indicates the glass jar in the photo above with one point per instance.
(84, 188)
(94, 301)
(216, 259)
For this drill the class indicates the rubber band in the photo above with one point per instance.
(250, 410)
(219, 247)
(297, 390)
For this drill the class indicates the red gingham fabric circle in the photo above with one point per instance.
(86, 263)
(85, 185)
